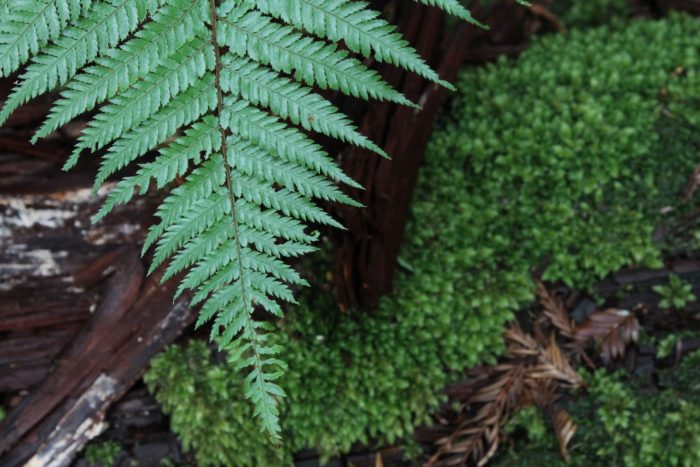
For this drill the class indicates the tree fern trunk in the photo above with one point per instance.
(366, 254)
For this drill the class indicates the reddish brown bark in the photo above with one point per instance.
(78, 320)
(367, 253)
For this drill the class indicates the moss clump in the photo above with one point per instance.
(577, 14)
(555, 159)
(623, 422)
(684, 381)
(102, 453)
(206, 408)
(633, 429)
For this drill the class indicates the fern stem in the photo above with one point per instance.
(224, 146)
(249, 329)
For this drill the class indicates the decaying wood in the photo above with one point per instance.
(133, 323)
(78, 320)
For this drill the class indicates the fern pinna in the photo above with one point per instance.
(227, 93)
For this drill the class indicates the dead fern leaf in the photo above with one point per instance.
(520, 344)
(613, 329)
(534, 371)
(564, 427)
(551, 361)
(554, 309)
(477, 437)
(553, 364)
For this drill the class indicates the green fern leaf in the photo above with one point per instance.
(250, 33)
(184, 109)
(122, 66)
(254, 161)
(453, 7)
(225, 94)
(27, 26)
(273, 135)
(260, 86)
(147, 96)
(108, 23)
(199, 141)
(361, 29)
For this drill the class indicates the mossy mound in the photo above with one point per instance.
(622, 421)
(561, 160)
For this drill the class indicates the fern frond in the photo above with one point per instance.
(222, 256)
(196, 220)
(199, 248)
(147, 96)
(202, 139)
(254, 161)
(273, 135)
(361, 29)
(452, 7)
(28, 25)
(184, 109)
(258, 85)
(225, 94)
(121, 66)
(201, 184)
(282, 200)
(108, 23)
(250, 33)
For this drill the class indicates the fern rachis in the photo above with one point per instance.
(226, 92)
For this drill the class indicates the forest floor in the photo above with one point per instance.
(79, 320)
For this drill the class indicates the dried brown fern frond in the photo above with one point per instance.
(536, 370)
(477, 436)
(564, 427)
(554, 309)
(612, 329)
(551, 362)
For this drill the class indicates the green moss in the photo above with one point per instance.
(625, 423)
(577, 14)
(676, 294)
(637, 429)
(558, 159)
(102, 453)
(561, 162)
(207, 409)
(684, 381)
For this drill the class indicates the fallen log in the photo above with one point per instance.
(135, 320)
(78, 321)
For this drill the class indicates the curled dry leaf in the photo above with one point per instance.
(564, 427)
(554, 309)
(612, 328)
